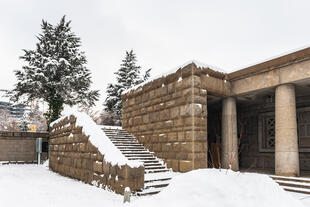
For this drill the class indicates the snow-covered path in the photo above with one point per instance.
(32, 185)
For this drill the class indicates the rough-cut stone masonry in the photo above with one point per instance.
(168, 115)
(20, 146)
(76, 157)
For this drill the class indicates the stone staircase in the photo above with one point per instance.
(157, 176)
(293, 184)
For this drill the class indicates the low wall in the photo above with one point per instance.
(20, 146)
(73, 155)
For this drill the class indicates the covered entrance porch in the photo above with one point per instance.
(265, 131)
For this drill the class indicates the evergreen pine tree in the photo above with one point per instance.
(56, 71)
(127, 76)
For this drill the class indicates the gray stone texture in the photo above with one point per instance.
(173, 123)
(229, 134)
(20, 146)
(286, 141)
(77, 158)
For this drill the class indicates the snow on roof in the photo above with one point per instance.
(270, 58)
(173, 70)
(98, 138)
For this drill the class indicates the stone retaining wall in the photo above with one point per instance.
(168, 115)
(76, 157)
(20, 146)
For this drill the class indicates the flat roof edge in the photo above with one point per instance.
(270, 64)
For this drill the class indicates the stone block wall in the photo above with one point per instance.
(20, 146)
(169, 116)
(73, 155)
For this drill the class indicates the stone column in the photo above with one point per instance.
(286, 140)
(229, 134)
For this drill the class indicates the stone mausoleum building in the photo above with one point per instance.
(256, 118)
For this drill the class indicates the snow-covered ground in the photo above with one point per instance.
(32, 185)
(304, 198)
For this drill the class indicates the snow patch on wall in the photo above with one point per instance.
(197, 63)
(199, 105)
(98, 138)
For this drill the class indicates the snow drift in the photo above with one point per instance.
(220, 188)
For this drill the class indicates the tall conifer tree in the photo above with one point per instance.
(127, 76)
(56, 71)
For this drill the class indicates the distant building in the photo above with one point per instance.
(17, 110)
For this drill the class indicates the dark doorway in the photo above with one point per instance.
(214, 131)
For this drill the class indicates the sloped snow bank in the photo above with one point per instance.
(98, 138)
(225, 188)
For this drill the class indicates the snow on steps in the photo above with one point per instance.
(293, 184)
(157, 175)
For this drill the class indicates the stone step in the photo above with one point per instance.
(138, 152)
(129, 148)
(139, 155)
(133, 150)
(154, 167)
(156, 171)
(295, 179)
(162, 179)
(120, 136)
(124, 140)
(125, 143)
(150, 161)
(149, 191)
(294, 184)
(296, 190)
(156, 184)
(142, 158)
(132, 145)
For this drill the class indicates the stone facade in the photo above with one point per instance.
(168, 115)
(76, 157)
(20, 146)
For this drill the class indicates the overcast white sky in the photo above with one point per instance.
(163, 33)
